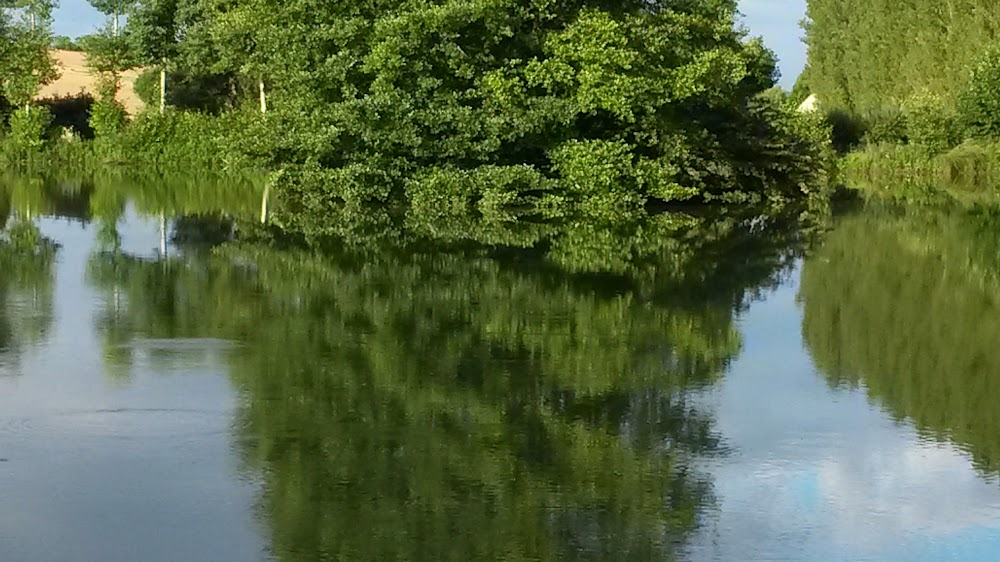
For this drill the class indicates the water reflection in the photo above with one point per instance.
(26, 304)
(461, 404)
(904, 304)
(400, 388)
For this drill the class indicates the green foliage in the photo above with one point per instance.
(932, 121)
(553, 86)
(887, 124)
(29, 127)
(25, 62)
(582, 109)
(917, 173)
(865, 54)
(107, 118)
(979, 102)
(972, 167)
(905, 172)
(179, 140)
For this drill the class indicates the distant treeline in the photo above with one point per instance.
(864, 54)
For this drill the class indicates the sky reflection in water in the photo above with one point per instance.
(299, 408)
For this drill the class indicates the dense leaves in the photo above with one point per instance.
(619, 105)
(583, 108)
(864, 54)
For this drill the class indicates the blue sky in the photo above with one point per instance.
(776, 20)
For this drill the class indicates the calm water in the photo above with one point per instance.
(726, 389)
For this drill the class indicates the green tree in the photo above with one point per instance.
(154, 29)
(25, 63)
(376, 103)
(864, 55)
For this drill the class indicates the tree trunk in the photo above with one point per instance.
(263, 202)
(163, 235)
(263, 97)
(163, 89)
(115, 23)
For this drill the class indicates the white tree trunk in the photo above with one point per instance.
(263, 97)
(263, 202)
(115, 24)
(163, 89)
(163, 236)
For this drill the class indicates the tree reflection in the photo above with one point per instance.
(904, 304)
(469, 401)
(26, 299)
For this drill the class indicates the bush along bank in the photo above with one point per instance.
(930, 147)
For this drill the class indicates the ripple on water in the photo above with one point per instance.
(123, 423)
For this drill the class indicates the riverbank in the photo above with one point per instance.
(968, 173)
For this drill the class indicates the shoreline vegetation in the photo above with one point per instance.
(912, 93)
(493, 110)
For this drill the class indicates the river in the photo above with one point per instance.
(725, 388)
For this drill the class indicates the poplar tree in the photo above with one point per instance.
(154, 30)
(865, 54)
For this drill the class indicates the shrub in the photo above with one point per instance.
(886, 125)
(979, 103)
(107, 118)
(931, 121)
(970, 167)
(29, 129)
(176, 138)
(905, 172)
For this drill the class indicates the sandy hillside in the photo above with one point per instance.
(75, 77)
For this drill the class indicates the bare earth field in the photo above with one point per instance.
(75, 78)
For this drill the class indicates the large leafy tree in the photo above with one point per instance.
(603, 104)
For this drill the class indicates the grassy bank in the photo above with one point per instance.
(177, 143)
(968, 173)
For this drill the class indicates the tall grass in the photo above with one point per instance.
(969, 172)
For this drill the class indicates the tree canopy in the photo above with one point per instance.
(864, 54)
(582, 108)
